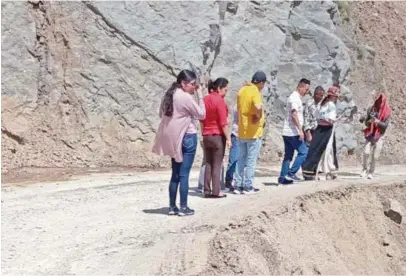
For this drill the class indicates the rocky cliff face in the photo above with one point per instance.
(82, 81)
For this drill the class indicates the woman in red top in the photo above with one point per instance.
(215, 136)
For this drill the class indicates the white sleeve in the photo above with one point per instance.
(332, 114)
(296, 104)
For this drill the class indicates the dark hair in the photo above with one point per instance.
(218, 83)
(325, 100)
(303, 82)
(336, 84)
(318, 89)
(167, 103)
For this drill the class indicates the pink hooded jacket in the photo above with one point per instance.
(169, 136)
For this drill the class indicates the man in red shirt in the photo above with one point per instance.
(215, 136)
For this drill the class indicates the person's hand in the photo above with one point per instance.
(301, 135)
(199, 91)
(309, 137)
(254, 119)
(228, 143)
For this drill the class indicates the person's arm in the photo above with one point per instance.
(306, 118)
(295, 118)
(258, 107)
(367, 118)
(383, 125)
(222, 120)
(306, 124)
(235, 115)
(197, 111)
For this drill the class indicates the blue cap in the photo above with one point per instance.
(258, 77)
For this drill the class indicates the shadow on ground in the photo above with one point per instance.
(270, 184)
(158, 211)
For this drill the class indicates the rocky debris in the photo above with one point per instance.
(385, 242)
(395, 211)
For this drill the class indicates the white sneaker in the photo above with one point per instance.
(238, 191)
(363, 174)
(370, 176)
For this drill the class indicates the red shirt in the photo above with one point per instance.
(216, 114)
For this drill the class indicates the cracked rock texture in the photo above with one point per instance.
(82, 81)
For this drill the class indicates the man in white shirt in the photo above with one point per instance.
(293, 135)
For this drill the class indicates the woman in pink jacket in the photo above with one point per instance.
(177, 135)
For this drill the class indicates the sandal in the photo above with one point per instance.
(219, 196)
(331, 176)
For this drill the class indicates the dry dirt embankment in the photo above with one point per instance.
(115, 224)
(342, 232)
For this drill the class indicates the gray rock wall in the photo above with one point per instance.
(82, 81)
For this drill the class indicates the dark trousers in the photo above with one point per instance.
(214, 148)
(181, 171)
(316, 149)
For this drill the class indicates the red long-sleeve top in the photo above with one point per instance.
(216, 114)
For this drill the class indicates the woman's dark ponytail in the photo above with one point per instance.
(217, 84)
(167, 106)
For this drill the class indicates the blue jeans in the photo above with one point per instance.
(181, 171)
(293, 143)
(232, 159)
(247, 159)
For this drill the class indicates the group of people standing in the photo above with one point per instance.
(308, 129)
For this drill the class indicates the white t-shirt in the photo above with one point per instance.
(294, 103)
(328, 112)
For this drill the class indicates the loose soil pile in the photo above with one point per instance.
(339, 232)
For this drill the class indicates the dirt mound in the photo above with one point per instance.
(339, 232)
(378, 30)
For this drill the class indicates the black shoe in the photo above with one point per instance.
(173, 211)
(309, 178)
(230, 187)
(186, 211)
(284, 181)
(251, 191)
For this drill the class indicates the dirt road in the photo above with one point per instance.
(116, 224)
